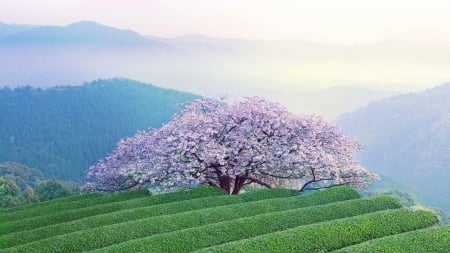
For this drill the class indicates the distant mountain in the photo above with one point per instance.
(11, 29)
(407, 138)
(331, 102)
(79, 34)
(63, 130)
(280, 70)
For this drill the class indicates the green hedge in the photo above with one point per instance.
(74, 214)
(72, 202)
(323, 237)
(202, 192)
(217, 233)
(431, 240)
(67, 199)
(146, 227)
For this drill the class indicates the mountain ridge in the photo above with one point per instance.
(80, 33)
(406, 137)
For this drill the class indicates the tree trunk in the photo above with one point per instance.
(224, 183)
(238, 184)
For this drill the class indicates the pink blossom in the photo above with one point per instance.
(230, 145)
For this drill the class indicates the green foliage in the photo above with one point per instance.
(9, 192)
(65, 200)
(444, 217)
(207, 220)
(331, 235)
(63, 130)
(405, 198)
(22, 175)
(140, 227)
(53, 189)
(431, 240)
(30, 196)
(17, 183)
(30, 186)
(78, 213)
(72, 202)
(238, 229)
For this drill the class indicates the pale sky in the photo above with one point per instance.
(326, 21)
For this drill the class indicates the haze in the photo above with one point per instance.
(327, 21)
(279, 49)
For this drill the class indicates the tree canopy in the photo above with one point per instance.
(230, 145)
(20, 184)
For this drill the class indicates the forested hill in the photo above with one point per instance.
(407, 138)
(63, 130)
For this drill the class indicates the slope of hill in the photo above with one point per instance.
(331, 102)
(206, 220)
(11, 29)
(63, 130)
(407, 138)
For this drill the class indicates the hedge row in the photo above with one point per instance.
(203, 192)
(332, 235)
(145, 227)
(67, 199)
(74, 214)
(431, 240)
(199, 237)
(72, 202)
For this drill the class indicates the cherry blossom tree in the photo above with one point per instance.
(230, 145)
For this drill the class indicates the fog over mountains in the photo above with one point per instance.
(291, 72)
(407, 138)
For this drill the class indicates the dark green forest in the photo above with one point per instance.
(61, 131)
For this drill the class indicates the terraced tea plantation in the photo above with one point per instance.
(207, 220)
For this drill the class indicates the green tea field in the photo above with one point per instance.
(208, 220)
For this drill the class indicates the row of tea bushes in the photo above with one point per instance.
(91, 209)
(199, 237)
(430, 240)
(332, 235)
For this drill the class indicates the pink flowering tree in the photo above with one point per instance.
(230, 145)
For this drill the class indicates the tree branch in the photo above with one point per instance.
(328, 186)
(254, 180)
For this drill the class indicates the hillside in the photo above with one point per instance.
(63, 130)
(407, 139)
(269, 220)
